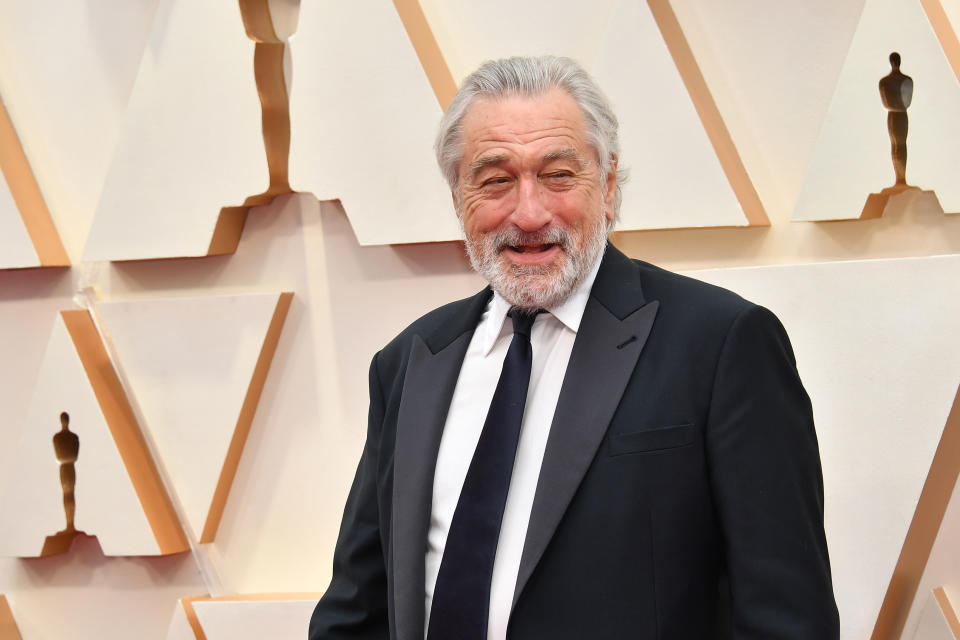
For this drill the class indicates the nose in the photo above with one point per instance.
(531, 211)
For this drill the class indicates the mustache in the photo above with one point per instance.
(500, 240)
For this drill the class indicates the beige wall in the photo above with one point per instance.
(872, 306)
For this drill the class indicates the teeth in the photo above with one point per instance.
(531, 248)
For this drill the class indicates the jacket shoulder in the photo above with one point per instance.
(437, 327)
(688, 295)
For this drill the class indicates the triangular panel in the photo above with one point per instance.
(117, 493)
(671, 128)
(197, 366)
(363, 115)
(27, 235)
(927, 525)
(183, 627)
(242, 617)
(852, 158)
(191, 141)
(664, 140)
(939, 620)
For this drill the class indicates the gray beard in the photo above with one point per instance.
(533, 287)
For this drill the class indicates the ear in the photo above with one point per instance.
(610, 188)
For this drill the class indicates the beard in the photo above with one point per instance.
(533, 287)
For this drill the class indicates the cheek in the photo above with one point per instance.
(576, 210)
(480, 215)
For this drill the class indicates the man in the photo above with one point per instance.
(662, 477)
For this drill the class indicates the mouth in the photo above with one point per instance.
(532, 248)
(533, 253)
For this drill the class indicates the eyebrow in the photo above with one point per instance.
(486, 161)
(566, 154)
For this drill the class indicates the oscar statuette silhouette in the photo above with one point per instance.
(66, 447)
(896, 93)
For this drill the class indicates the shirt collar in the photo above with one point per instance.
(569, 312)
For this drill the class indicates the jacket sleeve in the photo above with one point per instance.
(354, 606)
(768, 487)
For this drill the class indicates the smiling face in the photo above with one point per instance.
(533, 202)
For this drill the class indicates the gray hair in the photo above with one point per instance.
(531, 77)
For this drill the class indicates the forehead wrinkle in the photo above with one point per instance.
(499, 158)
(566, 154)
(485, 161)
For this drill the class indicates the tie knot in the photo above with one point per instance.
(523, 320)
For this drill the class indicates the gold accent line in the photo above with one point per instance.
(428, 51)
(126, 433)
(8, 626)
(247, 411)
(26, 195)
(945, 33)
(709, 114)
(949, 613)
(227, 232)
(191, 613)
(923, 530)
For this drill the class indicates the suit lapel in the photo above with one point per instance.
(614, 328)
(428, 386)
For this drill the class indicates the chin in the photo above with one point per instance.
(533, 287)
(537, 286)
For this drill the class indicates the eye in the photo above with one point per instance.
(496, 183)
(557, 178)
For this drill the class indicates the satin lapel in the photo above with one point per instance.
(427, 389)
(603, 358)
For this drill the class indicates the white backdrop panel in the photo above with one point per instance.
(107, 506)
(852, 158)
(16, 248)
(254, 619)
(189, 362)
(663, 140)
(363, 117)
(66, 72)
(191, 140)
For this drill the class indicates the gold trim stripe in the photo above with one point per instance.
(428, 51)
(191, 613)
(923, 530)
(8, 626)
(247, 411)
(126, 433)
(26, 195)
(709, 114)
(949, 613)
(945, 33)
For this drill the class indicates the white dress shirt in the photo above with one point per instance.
(552, 340)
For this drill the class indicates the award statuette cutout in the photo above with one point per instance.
(66, 447)
(896, 93)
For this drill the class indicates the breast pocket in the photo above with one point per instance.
(650, 440)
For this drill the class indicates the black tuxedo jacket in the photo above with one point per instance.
(680, 496)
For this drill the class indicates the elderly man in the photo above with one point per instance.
(591, 447)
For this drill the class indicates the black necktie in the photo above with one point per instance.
(461, 598)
